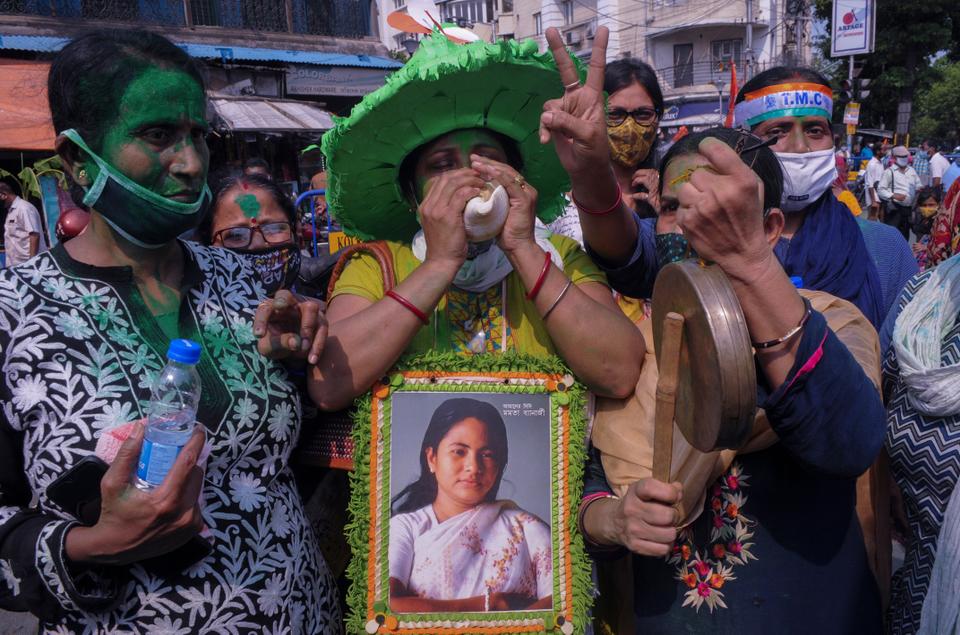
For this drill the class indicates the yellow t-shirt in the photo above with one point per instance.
(525, 331)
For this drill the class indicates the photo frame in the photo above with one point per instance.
(464, 496)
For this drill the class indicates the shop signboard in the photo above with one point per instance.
(853, 27)
(336, 81)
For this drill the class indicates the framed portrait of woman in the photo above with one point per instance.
(467, 478)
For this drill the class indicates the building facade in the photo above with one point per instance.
(691, 45)
(276, 69)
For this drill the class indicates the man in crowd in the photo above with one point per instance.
(898, 190)
(23, 230)
(257, 165)
(921, 163)
(938, 164)
(871, 177)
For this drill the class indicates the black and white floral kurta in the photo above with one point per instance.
(78, 350)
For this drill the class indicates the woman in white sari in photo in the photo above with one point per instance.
(454, 546)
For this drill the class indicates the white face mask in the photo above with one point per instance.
(806, 176)
(903, 161)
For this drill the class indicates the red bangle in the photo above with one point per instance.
(409, 305)
(543, 276)
(610, 210)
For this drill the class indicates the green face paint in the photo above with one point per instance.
(149, 180)
(451, 152)
(249, 204)
(157, 139)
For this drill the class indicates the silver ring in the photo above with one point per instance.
(572, 85)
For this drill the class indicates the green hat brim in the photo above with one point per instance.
(442, 88)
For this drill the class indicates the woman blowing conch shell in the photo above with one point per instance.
(485, 214)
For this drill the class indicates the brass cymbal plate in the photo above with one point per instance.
(717, 392)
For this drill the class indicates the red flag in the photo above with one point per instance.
(733, 95)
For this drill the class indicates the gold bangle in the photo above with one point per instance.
(583, 511)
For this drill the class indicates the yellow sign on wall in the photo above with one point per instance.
(339, 240)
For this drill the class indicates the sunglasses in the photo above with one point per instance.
(240, 237)
(617, 116)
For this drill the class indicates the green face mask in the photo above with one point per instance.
(143, 217)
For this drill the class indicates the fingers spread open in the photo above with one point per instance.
(598, 59)
(568, 72)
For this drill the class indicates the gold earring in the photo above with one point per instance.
(82, 175)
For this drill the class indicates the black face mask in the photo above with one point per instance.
(277, 266)
(672, 248)
(142, 216)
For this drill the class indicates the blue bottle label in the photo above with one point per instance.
(156, 459)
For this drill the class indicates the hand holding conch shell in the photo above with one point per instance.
(486, 214)
(517, 228)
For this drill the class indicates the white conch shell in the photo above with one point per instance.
(485, 216)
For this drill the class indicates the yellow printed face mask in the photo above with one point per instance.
(630, 142)
(928, 210)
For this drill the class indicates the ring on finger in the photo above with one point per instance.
(572, 85)
(519, 180)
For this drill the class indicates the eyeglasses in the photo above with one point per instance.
(240, 237)
(617, 116)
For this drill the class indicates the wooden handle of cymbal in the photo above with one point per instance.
(669, 367)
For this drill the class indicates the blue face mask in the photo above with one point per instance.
(143, 217)
(672, 248)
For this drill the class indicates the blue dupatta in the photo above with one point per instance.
(829, 253)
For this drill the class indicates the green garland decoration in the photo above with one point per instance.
(360, 486)
(442, 88)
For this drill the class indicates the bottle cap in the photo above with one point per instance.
(797, 281)
(184, 351)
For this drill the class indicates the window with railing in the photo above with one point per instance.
(537, 24)
(468, 10)
(725, 51)
(506, 6)
(339, 18)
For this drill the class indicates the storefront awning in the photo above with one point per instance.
(271, 115)
(25, 122)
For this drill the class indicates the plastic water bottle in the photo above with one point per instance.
(171, 415)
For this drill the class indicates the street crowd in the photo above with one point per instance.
(851, 304)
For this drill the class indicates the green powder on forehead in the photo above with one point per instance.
(249, 204)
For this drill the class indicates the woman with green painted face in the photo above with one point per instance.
(85, 327)
(450, 287)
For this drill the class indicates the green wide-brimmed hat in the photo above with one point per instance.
(442, 88)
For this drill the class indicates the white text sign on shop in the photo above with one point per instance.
(853, 27)
(333, 80)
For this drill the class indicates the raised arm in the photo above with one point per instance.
(576, 125)
(819, 400)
